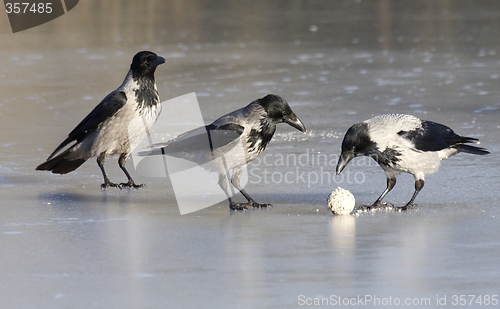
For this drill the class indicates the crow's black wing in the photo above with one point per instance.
(109, 106)
(432, 136)
(223, 135)
(207, 138)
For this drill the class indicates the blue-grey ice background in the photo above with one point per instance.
(64, 243)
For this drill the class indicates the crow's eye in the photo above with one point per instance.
(147, 59)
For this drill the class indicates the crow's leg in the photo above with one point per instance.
(223, 184)
(419, 184)
(130, 183)
(100, 162)
(235, 181)
(391, 182)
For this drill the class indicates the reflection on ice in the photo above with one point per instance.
(343, 234)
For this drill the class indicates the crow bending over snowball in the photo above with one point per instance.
(116, 125)
(403, 143)
(250, 128)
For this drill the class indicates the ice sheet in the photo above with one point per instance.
(67, 244)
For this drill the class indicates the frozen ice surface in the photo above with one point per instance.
(67, 244)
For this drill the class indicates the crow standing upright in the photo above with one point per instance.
(403, 143)
(116, 125)
(252, 127)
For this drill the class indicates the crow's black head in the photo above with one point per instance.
(356, 142)
(145, 63)
(278, 110)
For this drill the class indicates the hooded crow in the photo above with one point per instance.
(116, 125)
(403, 143)
(250, 127)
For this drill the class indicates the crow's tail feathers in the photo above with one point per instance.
(471, 149)
(60, 165)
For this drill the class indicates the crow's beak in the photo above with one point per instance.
(295, 122)
(344, 159)
(159, 60)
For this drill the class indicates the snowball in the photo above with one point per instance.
(341, 201)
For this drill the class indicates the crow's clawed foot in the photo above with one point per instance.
(131, 184)
(238, 206)
(406, 207)
(109, 184)
(377, 206)
(257, 205)
(246, 206)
